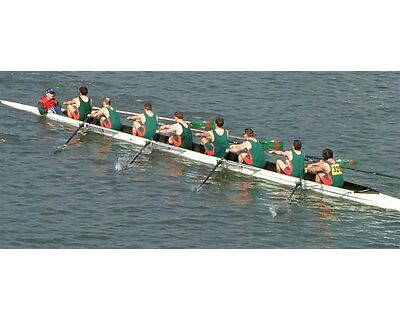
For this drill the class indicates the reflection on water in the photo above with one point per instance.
(326, 212)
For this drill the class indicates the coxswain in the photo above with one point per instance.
(145, 124)
(108, 116)
(80, 107)
(250, 151)
(215, 141)
(48, 103)
(294, 163)
(327, 171)
(180, 133)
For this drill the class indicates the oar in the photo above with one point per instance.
(298, 184)
(374, 173)
(170, 119)
(205, 125)
(121, 165)
(345, 163)
(138, 153)
(285, 204)
(197, 189)
(73, 135)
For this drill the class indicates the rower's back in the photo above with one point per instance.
(112, 120)
(85, 103)
(186, 136)
(335, 175)
(185, 139)
(257, 154)
(149, 128)
(217, 148)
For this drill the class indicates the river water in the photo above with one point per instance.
(76, 199)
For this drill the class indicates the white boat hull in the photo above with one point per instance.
(369, 198)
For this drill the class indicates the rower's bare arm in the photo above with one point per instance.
(315, 167)
(167, 129)
(133, 118)
(97, 113)
(204, 134)
(73, 101)
(239, 147)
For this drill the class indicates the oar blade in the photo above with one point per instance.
(60, 149)
(272, 144)
(203, 125)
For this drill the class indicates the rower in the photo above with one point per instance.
(108, 116)
(180, 133)
(48, 103)
(145, 124)
(327, 170)
(294, 163)
(250, 151)
(80, 107)
(215, 141)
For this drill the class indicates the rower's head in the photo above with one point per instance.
(297, 145)
(83, 91)
(248, 133)
(106, 102)
(219, 122)
(327, 154)
(178, 115)
(148, 107)
(50, 93)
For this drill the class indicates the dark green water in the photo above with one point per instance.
(77, 200)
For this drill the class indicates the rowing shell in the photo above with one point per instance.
(350, 191)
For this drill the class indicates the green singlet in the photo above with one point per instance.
(337, 174)
(151, 126)
(258, 154)
(85, 108)
(219, 145)
(186, 137)
(115, 120)
(298, 164)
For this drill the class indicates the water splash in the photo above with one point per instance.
(276, 210)
(122, 163)
(59, 149)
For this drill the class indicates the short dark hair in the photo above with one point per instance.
(178, 114)
(297, 145)
(107, 100)
(327, 154)
(219, 121)
(249, 132)
(148, 106)
(83, 90)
